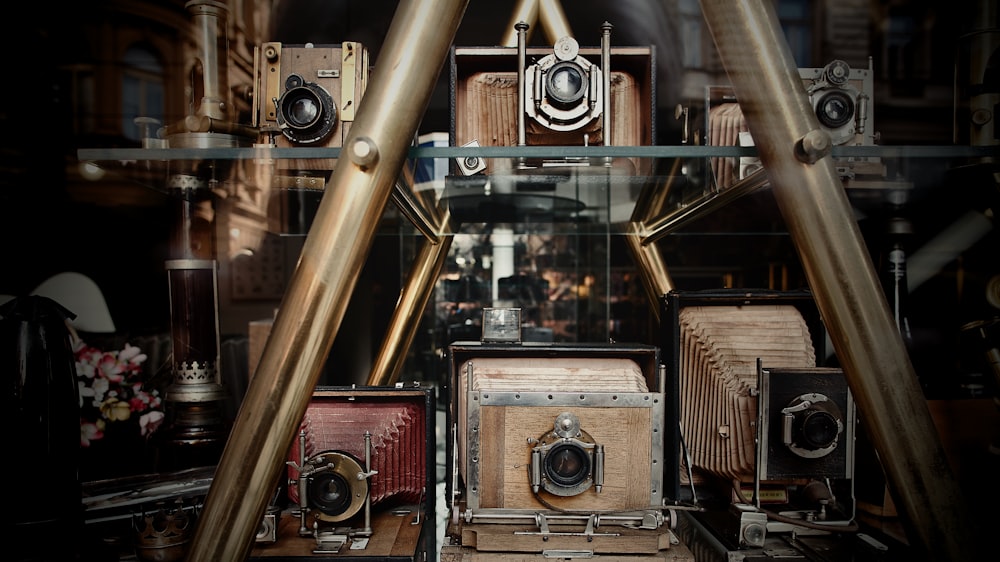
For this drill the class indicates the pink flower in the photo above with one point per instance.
(150, 421)
(90, 431)
(132, 354)
(110, 368)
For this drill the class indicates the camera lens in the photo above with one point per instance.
(567, 464)
(835, 109)
(303, 109)
(306, 111)
(819, 429)
(330, 493)
(565, 83)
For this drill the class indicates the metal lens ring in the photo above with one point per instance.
(819, 429)
(566, 83)
(835, 108)
(566, 461)
(306, 112)
(837, 72)
(333, 488)
(567, 464)
(812, 425)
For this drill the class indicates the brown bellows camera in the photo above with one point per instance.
(564, 95)
(759, 419)
(842, 99)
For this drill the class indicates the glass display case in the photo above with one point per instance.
(550, 234)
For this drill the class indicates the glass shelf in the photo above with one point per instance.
(552, 184)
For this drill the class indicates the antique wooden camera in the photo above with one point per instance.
(564, 95)
(762, 423)
(305, 96)
(841, 97)
(557, 432)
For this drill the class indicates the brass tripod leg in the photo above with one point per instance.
(333, 255)
(819, 218)
(552, 16)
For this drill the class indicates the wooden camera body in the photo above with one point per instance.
(842, 98)
(307, 95)
(555, 429)
(494, 99)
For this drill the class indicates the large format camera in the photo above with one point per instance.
(564, 95)
(550, 434)
(841, 97)
(762, 425)
(307, 94)
(358, 476)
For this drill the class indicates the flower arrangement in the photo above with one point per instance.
(112, 392)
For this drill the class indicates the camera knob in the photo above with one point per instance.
(363, 152)
(566, 48)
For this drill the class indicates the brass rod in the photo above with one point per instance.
(420, 215)
(334, 252)
(840, 273)
(406, 317)
(553, 20)
(525, 11)
(653, 197)
(653, 272)
(606, 83)
(549, 13)
(652, 269)
(670, 222)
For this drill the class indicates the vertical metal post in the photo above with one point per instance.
(812, 200)
(333, 255)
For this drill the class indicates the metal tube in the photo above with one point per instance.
(606, 84)
(420, 215)
(405, 320)
(819, 218)
(652, 269)
(522, 32)
(333, 255)
(525, 11)
(550, 12)
(210, 18)
(665, 224)
(553, 20)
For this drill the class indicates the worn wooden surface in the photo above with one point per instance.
(504, 543)
(393, 535)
